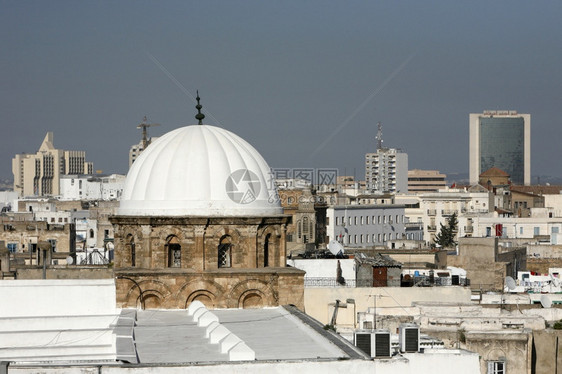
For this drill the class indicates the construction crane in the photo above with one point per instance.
(144, 126)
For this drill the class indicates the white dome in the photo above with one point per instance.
(200, 170)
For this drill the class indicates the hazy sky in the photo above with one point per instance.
(305, 82)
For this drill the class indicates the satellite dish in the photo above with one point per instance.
(510, 283)
(335, 247)
(545, 301)
(69, 260)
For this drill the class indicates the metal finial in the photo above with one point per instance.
(199, 116)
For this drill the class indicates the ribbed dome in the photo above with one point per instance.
(200, 170)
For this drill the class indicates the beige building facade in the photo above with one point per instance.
(39, 174)
(420, 181)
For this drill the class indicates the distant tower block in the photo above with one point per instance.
(500, 139)
(386, 170)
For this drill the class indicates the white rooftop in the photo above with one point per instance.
(281, 333)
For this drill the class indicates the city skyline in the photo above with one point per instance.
(306, 83)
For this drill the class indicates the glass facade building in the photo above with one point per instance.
(502, 146)
(500, 139)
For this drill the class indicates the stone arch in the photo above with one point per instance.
(200, 288)
(251, 299)
(150, 288)
(213, 240)
(207, 298)
(270, 235)
(151, 299)
(249, 287)
(495, 353)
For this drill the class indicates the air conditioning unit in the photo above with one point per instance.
(374, 343)
(409, 337)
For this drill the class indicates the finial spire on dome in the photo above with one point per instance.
(199, 116)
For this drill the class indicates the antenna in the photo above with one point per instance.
(545, 301)
(379, 135)
(144, 125)
(554, 281)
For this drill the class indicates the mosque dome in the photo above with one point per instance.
(199, 170)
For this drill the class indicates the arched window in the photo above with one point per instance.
(299, 229)
(174, 252)
(225, 252)
(266, 251)
(91, 233)
(305, 227)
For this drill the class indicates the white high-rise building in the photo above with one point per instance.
(39, 174)
(386, 171)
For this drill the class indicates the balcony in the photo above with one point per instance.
(431, 228)
(431, 212)
(448, 212)
(468, 229)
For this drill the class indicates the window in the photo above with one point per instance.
(379, 220)
(361, 219)
(496, 367)
(355, 221)
(537, 230)
(361, 238)
(379, 238)
(91, 233)
(225, 252)
(12, 247)
(354, 239)
(174, 252)
(521, 230)
(554, 230)
(367, 220)
(266, 251)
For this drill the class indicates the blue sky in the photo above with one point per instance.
(305, 82)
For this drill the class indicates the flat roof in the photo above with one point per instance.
(280, 333)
